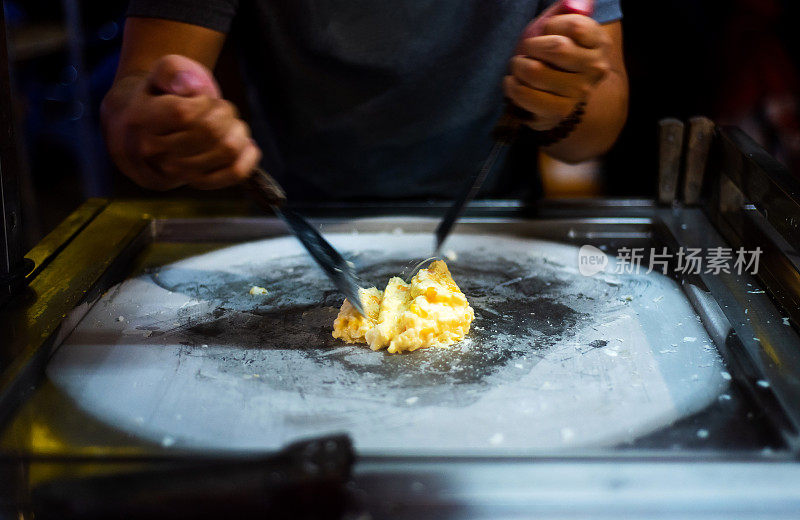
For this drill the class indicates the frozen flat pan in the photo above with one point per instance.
(186, 357)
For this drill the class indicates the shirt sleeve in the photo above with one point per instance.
(605, 11)
(212, 14)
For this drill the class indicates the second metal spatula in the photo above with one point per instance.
(506, 129)
(503, 135)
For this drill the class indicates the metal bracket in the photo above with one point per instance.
(690, 150)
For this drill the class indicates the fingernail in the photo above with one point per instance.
(185, 84)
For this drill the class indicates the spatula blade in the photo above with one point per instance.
(468, 193)
(332, 263)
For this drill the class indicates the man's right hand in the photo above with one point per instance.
(170, 128)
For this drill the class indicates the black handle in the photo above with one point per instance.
(293, 483)
(265, 190)
(513, 117)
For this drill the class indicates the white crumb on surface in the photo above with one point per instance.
(412, 400)
(689, 339)
(496, 439)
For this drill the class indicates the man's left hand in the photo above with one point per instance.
(554, 72)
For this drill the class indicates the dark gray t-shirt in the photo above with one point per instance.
(375, 98)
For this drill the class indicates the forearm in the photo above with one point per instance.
(606, 112)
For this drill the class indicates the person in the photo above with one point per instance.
(359, 99)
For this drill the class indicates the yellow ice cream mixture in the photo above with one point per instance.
(431, 311)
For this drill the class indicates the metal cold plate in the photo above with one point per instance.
(184, 356)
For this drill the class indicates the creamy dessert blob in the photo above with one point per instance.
(431, 311)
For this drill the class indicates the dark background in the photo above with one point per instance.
(735, 61)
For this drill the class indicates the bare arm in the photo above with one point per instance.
(577, 60)
(164, 120)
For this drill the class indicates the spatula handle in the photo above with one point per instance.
(266, 191)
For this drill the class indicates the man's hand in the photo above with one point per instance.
(554, 72)
(173, 129)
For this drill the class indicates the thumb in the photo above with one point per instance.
(182, 76)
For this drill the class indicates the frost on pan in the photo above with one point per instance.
(523, 306)
(546, 346)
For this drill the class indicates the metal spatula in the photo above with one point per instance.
(269, 195)
(506, 129)
(504, 134)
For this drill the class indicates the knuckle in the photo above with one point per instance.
(169, 169)
(601, 70)
(218, 123)
(532, 67)
(230, 146)
(513, 90)
(581, 33)
(165, 65)
(241, 170)
(510, 87)
(523, 68)
(229, 109)
(220, 111)
(173, 168)
(213, 130)
(252, 163)
(527, 46)
(181, 114)
(558, 44)
(147, 148)
(583, 91)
